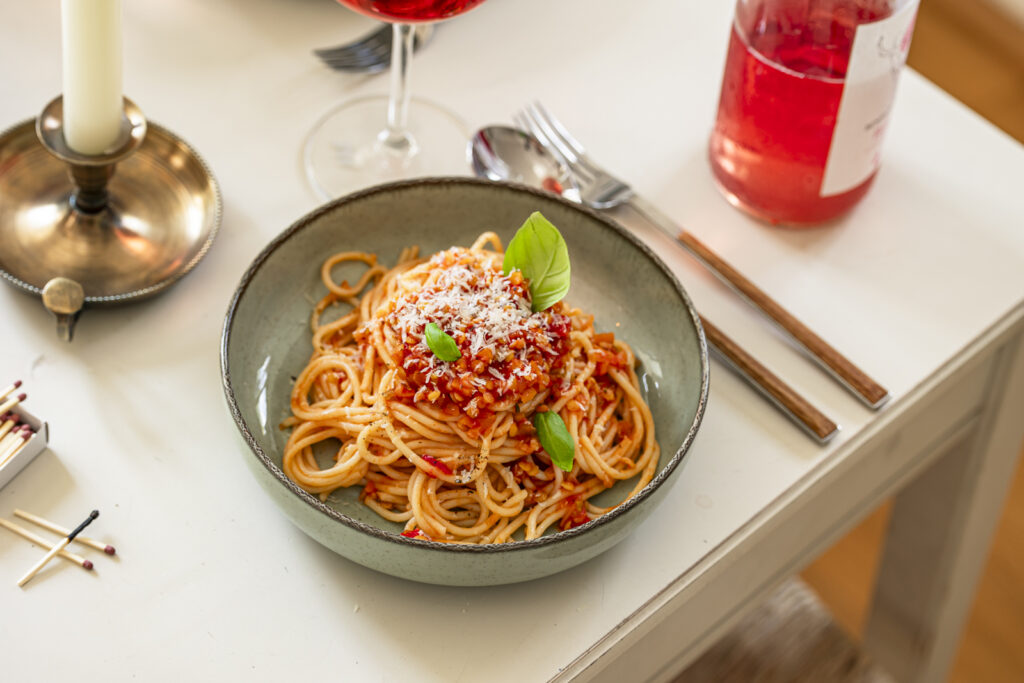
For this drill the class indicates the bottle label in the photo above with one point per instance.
(878, 53)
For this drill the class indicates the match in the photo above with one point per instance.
(57, 529)
(42, 543)
(6, 392)
(16, 428)
(14, 442)
(7, 422)
(11, 402)
(57, 548)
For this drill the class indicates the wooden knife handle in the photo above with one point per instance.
(839, 366)
(792, 404)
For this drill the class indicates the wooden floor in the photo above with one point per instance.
(979, 59)
(974, 54)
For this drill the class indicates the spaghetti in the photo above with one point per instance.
(448, 448)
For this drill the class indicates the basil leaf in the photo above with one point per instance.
(441, 343)
(555, 438)
(539, 251)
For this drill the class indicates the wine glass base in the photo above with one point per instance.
(345, 151)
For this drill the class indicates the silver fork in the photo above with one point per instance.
(602, 190)
(598, 188)
(372, 52)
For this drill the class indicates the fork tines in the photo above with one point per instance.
(598, 188)
(370, 53)
(550, 132)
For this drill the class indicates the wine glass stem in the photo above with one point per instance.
(396, 136)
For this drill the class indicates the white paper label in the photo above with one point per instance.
(876, 58)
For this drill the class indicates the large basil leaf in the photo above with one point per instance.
(540, 253)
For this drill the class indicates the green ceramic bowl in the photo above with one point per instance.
(266, 342)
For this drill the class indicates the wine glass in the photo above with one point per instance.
(374, 139)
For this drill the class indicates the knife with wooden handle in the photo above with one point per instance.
(870, 392)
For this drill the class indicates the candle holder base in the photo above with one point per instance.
(123, 225)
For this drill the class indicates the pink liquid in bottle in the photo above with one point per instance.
(784, 79)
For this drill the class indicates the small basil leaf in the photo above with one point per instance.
(539, 251)
(555, 438)
(441, 343)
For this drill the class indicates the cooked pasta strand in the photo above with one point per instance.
(448, 448)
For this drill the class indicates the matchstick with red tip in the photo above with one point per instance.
(57, 548)
(57, 529)
(14, 442)
(7, 422)
(11, 402)
(42, 543)
(6, 392)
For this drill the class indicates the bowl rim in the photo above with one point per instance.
(436, 546)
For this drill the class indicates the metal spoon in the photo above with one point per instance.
(506, 153)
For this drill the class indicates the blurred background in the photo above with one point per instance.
(975, 52)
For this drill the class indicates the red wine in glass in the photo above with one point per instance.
(408, 11)
(372, 139)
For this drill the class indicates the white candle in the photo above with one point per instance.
(91, 31)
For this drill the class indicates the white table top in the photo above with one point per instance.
(211, 581)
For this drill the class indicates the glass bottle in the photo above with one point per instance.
(805, 100)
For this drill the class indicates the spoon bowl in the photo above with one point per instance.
(506, 153)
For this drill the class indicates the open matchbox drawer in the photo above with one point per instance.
(33, 447)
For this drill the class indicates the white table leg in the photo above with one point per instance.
(940, 533)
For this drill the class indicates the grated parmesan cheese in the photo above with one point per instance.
(475, 304)
(507, 350)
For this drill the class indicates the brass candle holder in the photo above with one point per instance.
(102, 229)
